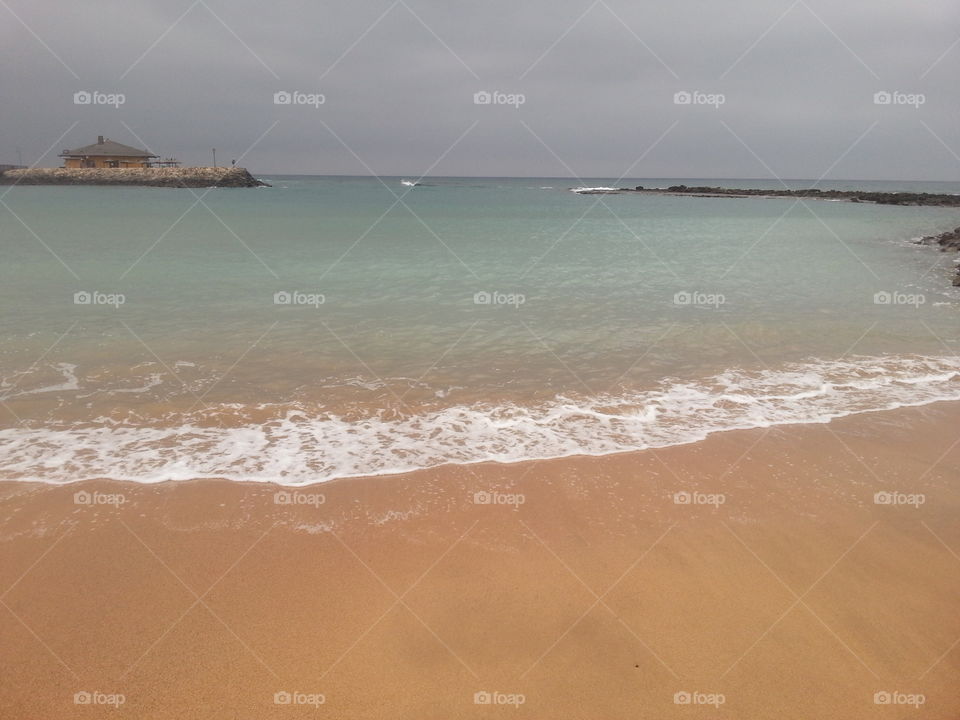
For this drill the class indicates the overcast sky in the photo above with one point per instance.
(598, 82)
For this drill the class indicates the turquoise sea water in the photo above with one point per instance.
(328, 327)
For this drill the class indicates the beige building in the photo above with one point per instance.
(106, 154)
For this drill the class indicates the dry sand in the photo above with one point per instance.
(597, 597)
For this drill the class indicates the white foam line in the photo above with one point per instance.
(302, 446)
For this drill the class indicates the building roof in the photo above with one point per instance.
(109, 147)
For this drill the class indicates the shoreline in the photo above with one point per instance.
(886, 418)
(413, 593)
(150, 455)
(452, 465)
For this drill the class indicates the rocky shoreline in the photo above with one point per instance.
(877, 198)
(191, 177)
(949, 242)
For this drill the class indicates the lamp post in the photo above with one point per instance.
(214, 157)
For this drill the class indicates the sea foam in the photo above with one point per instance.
(302, 445)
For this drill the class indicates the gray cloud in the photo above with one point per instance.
(798, 81)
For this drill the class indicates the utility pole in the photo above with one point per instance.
(19, 158)
(214, 157)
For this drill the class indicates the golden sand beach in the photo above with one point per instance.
(804, 571)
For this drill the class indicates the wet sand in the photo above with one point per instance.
(772, 586)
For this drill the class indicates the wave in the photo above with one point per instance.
(588, 190)
(301, 446)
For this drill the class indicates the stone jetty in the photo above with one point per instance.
(184, 177)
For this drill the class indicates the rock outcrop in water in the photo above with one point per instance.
(192, 177)
(948, 241)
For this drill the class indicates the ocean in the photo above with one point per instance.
(331, 327)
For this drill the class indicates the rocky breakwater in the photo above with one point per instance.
(857, 196)
(863, 196)
(949, 242)
(188, 177)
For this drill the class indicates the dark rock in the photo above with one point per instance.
(948, 241)
(879, 198)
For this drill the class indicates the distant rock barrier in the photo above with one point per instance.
(861, 196)
(189, 177)
(878, 198)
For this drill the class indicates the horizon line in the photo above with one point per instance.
(602, 177)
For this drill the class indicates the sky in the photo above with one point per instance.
(575, 88)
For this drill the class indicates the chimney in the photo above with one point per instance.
(99, 139)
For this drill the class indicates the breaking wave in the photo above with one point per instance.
(300, 445)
